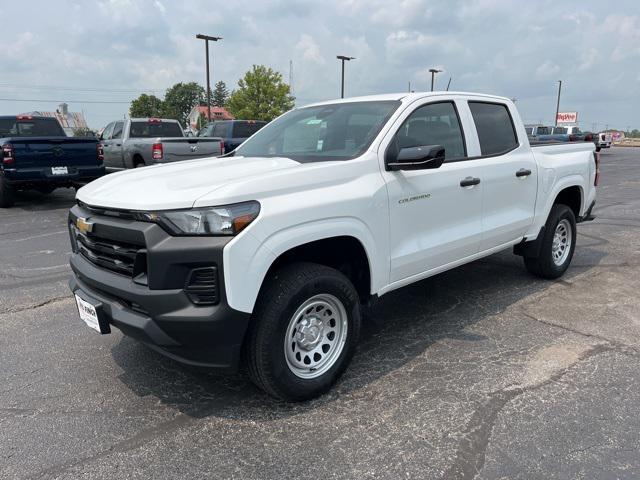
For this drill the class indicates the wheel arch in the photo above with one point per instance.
(344, 244)
(571, 196)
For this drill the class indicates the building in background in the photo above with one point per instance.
(217, 113)
(70, 121)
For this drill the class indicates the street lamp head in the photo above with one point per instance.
(207, 37)
(344, 57)
(434, 70)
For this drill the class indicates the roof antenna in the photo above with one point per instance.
(449, 84)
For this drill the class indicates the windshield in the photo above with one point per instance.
(340, 131)
(155, 129)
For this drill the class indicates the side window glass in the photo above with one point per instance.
(494, 126)
(106, 133)
(117, 130)
(434, 124)
(220, 130)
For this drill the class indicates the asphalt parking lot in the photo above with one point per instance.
(482, 372)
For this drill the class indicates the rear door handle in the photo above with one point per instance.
(469, 181)
(523, 172)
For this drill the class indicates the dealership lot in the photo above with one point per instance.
(483, 371)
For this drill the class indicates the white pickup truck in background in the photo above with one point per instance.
(266, 258)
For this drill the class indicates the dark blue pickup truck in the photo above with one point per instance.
(232, 132)
(36, 154)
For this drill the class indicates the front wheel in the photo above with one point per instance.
(304, 331)
(558, 244)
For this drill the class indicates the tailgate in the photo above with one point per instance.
(37, 152)
(190, 147)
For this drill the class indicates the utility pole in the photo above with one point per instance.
(291, 77)
(433, 76)
(558, 104)
(343, 58)
(206, 39)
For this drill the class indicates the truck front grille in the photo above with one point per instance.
(124, 258)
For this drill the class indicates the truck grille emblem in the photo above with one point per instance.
(84, 225)
(194, 148)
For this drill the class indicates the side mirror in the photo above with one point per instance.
(417, 158)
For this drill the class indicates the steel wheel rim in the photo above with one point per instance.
(562, 239)
(315, 336)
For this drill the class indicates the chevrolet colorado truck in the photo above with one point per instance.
(139, 142)
(36, 154)
(266, 258)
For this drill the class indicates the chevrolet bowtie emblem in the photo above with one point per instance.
(84, 225)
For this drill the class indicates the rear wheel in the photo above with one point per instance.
(558, 244)
(304, 332)
(6, 193)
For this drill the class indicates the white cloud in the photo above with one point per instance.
(517, 49)
(309, 49)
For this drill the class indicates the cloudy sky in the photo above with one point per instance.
(90, 51)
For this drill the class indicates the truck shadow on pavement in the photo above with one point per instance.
(33, 201)
(403, 326)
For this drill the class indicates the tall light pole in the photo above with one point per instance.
(433, 76)
(558, 104)
(343, 58)
(206, 39)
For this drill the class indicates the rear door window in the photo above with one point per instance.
(495, 128)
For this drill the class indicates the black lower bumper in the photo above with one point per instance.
(160, 311)
(200, 336)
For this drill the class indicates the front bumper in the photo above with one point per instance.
(156, 308)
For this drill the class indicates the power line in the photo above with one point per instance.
(59, 101)
(77, 89)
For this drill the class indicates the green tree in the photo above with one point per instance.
(180, 99)
(146, 106)
(202, 121)
(83, 132)
(220, 94)
(261, 95)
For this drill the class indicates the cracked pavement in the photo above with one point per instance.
(481, 372)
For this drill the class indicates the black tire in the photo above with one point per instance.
(285, 292)
(6, 194)
(544, 265)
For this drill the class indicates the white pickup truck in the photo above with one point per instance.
(266, 258)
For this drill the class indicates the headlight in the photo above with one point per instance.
(223, 220)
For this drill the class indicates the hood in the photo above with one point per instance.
(176, 185)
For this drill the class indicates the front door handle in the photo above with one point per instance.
(523, 172)
(469, 181)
